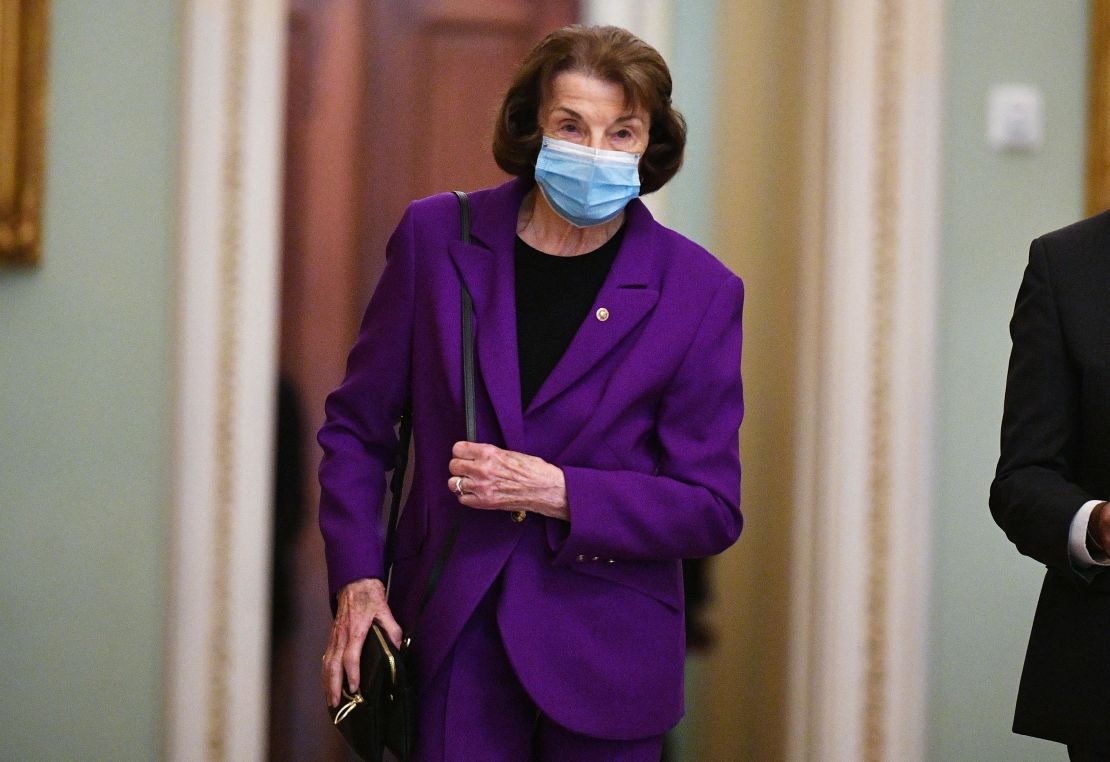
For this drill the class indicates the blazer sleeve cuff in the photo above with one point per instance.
(579, 537)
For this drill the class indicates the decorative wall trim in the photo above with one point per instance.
(889, 96)
(226, 447)
(225, 378)
(864, 482)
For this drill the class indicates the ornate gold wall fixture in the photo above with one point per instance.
(23, 35)
(1098, 112)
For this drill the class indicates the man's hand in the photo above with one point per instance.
(1098, 532)
(360, 603)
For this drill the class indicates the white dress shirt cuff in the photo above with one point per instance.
(1077, 538)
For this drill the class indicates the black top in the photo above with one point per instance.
(553, 296)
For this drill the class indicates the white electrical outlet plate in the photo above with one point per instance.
(1015, 118)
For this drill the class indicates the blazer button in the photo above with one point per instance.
(602, 314)
(518, 516)
(580, 558)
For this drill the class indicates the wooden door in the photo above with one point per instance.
(388, 101)
(437, 72)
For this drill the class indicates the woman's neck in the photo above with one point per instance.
(541, 228)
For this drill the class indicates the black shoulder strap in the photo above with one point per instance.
(405, 434)
(397, 483)
(467, 330)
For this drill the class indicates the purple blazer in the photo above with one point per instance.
(641, 413)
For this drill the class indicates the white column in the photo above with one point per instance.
(864, 489)
(232, 117)
(650, 20)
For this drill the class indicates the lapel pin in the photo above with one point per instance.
(602, 314)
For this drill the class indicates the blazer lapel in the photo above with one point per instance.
(486, 267)
(625, 299)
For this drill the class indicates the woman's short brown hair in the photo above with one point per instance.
(606, 52)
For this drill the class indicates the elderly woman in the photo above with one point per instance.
(608, 404)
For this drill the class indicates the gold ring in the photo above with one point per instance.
(458, 486)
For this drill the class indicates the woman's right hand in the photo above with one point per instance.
(360, 603)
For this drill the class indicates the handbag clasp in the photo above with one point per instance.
(350, 706)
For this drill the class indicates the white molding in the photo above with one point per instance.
(853, 365)
(650, 20)
(809, 403)
(914, 374)
(234, 81)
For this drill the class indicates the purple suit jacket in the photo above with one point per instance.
(641, 413)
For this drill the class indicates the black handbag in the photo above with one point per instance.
(381, 715)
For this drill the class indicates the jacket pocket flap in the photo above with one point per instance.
(662, 580)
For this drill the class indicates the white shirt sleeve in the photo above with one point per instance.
(1077, 539)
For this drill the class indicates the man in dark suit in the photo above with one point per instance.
(1053, 476)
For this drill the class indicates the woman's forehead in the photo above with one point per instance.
(576, 90)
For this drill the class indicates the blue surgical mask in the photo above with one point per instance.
(586, 186)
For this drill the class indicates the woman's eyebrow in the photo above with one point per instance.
(569, 111)
(629, 117)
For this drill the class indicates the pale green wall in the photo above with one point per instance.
(993, 205)
(693, 57)
(85, 359)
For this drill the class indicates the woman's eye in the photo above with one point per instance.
(571, 128)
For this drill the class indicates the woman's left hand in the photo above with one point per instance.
(490, 478)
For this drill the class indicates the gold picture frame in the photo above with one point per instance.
(1098, 110)
(23, 40)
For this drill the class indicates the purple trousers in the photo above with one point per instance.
(475, 708)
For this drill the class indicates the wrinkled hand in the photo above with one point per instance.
(503, 480)
(360, 603)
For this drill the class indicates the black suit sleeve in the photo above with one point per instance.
(1034, 496)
